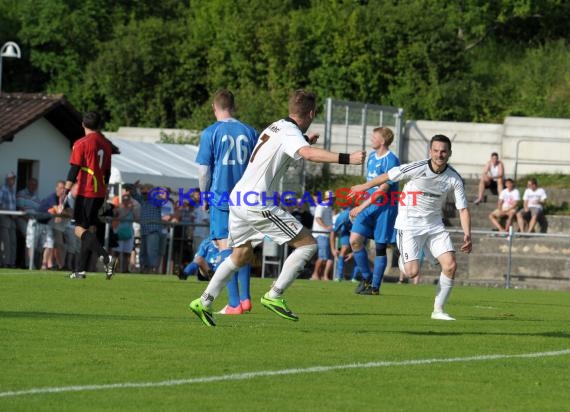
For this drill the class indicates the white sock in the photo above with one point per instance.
(442, 292)
(291, 269)
(223, 273)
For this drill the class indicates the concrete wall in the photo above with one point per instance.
(473, 144)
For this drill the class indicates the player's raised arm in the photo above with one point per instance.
(318, 155)
(377, 181)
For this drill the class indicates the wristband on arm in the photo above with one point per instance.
(344, 158)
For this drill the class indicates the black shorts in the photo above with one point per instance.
(492, 186)
(86, 211)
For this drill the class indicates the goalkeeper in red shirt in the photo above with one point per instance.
(91, 168)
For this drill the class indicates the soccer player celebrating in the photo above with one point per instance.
(279, 144)
(225, 149)
(420, 221)
(375, 218)
(91, 167)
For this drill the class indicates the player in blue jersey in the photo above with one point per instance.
(224, 152)
(341, 229)
(376, 216)
(204, 263)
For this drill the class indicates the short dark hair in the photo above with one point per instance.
(533, 181)
(494, 154)
(224, 99)
(302, 102)
(440, 138)
(92, 120)
(508, 179)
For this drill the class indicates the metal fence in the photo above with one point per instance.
(348, 125)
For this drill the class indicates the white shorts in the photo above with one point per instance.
(411, 244)
(249, 224)
(40, 235)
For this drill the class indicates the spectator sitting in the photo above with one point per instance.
(506, 206)
(532, 212)
(492, 177)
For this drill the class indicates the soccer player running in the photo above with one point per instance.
(224, 152)
(279, 145)
(91, 167)
(419, 222)
(375, 217)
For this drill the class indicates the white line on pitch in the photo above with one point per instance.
(296, 371)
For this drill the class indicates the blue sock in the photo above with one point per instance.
(380, 263)
(191, 268)
(232, 285)
(355, 272)
(243, 277)
(361, 259)
(340, 267)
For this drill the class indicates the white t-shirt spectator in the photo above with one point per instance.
(325, 213)
(534, 197)
(510, 199)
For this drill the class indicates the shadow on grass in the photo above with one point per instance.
(552, 334)
(55, 315)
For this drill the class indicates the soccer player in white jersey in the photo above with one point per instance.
(420, 221)
(255, 213)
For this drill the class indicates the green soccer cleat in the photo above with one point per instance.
(279, 306)
(201, 311)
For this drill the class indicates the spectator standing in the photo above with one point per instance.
(492, 177)
(420, 217)
(168, 215)
(506, 206)
(91, 168)
(279, 145)
(534, 198)
(8, 222)
(150, 228)
(27, 200)
(224, 153)
(125, 213)
(43, 234)
(201, 220)
(322, 226)
(58, 225)
(301, 212)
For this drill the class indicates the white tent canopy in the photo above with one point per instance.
(160, 164)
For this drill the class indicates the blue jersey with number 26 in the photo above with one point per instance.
(226, 147)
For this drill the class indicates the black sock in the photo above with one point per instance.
(85, 252)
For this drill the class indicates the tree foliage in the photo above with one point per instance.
(156, 64)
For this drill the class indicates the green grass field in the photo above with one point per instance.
(131, 344)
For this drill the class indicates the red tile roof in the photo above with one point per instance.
(19, 110)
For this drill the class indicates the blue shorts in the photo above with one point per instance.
(219, 219)
(377, 222)
(344, 240)
(324, 248)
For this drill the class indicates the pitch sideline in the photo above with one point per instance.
(296, 371)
